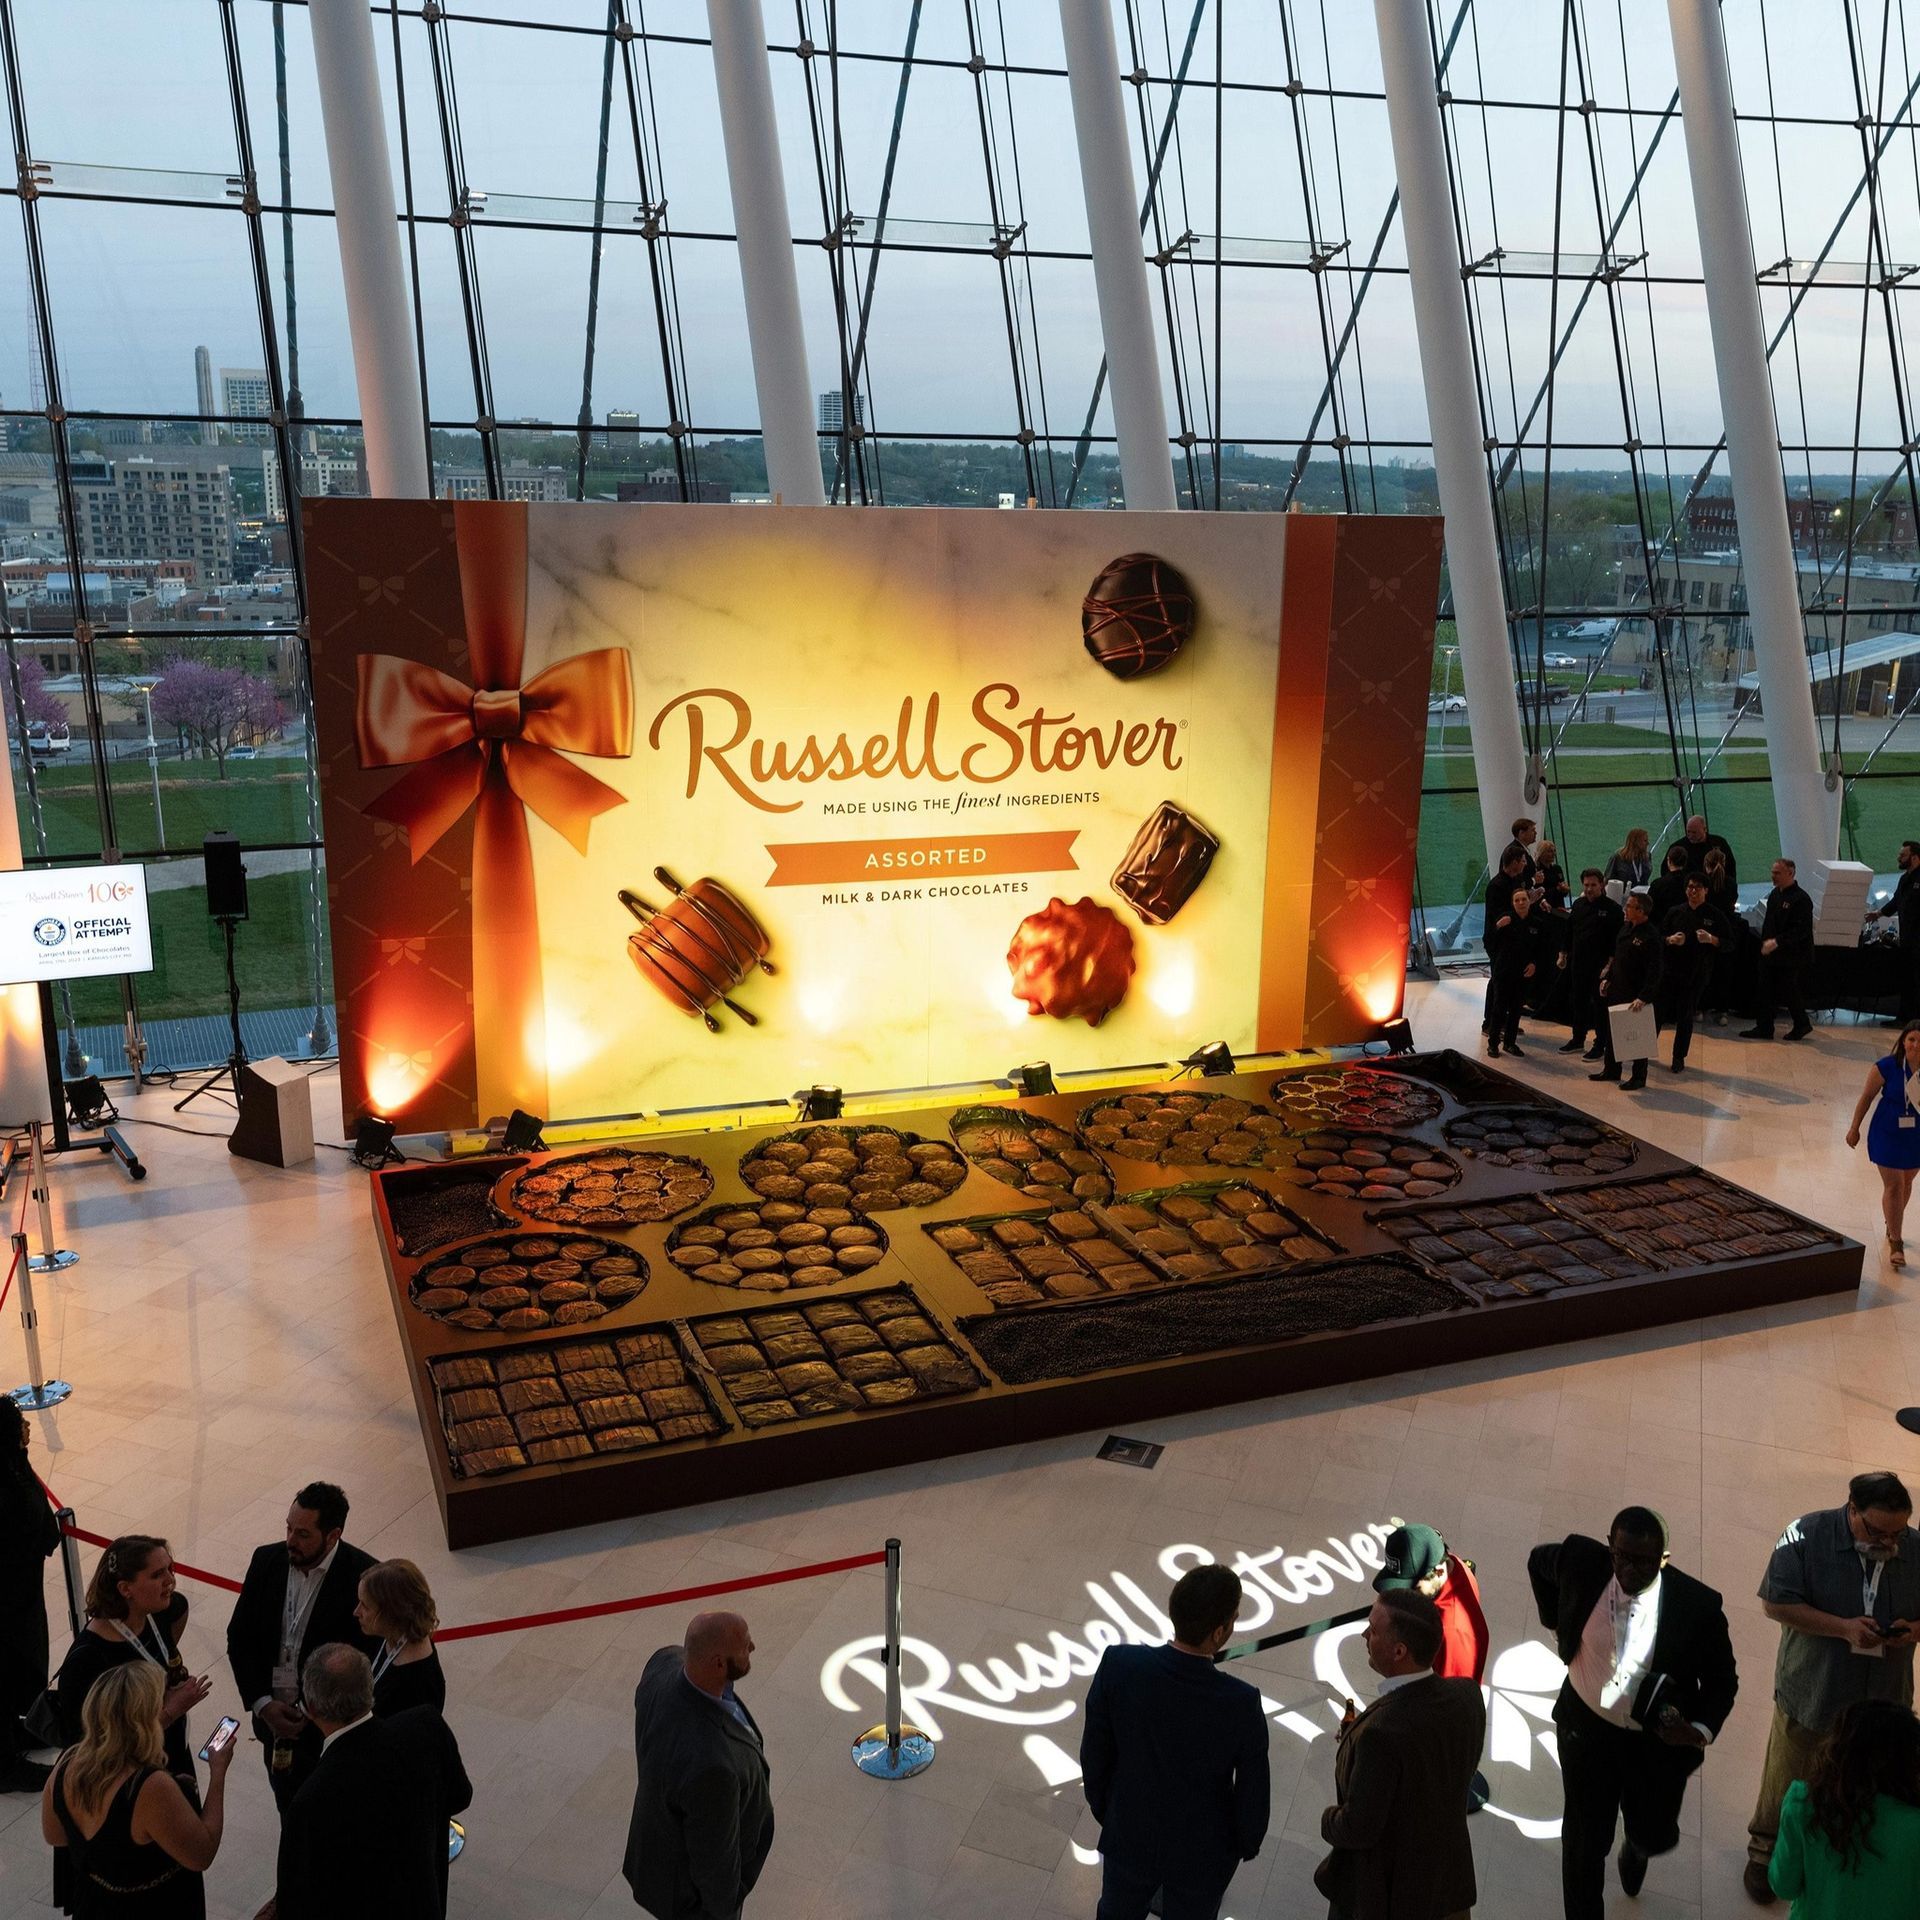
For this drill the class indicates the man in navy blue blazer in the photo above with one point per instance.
(1174, 1761)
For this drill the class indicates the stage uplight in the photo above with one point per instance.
(87, 1102)
(1212, 1060)
(1398, 1034)
(1031, 1080)
(819, 1103)
(523, 1133)
(373, 1142)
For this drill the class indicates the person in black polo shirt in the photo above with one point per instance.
(1515, 870)
(1904, 907)
(1786, 955)
(1631, 978)
(1669, 887)
(1696, 843)
(1694, 933)
(1593, 925)
(1520, 959)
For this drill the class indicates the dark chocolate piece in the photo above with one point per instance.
(1167, 860)
(1137, 615)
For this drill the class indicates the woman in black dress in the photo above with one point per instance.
(28, 1533)
(128, 1844)
(135, 1613)
(397, 1609)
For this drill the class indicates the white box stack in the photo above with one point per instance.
(1839, 890)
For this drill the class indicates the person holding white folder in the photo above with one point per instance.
(1629, 983)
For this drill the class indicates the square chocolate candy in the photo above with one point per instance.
(1167, 860)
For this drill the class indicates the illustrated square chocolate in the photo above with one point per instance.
(1166, 860)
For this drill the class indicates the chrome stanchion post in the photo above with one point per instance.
(39, 1393)
(893, 1751)
(70, 1567)
(50, 1259)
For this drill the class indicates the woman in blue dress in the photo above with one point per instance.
(1893, 1135)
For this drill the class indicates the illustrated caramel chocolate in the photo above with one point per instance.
(698, 947)
(1166, 860)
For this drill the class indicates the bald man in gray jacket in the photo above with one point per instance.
(703, 1810)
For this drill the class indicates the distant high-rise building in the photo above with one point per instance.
(833, 413)
(245, 395)
(203, 393)
(517, 482)
(146, 508)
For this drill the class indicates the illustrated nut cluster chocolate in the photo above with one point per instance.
(835, 1356)
(873, 1169)
(542, 1404)
(610, 1187)
(775, 1245)
(1511, 1249)
(1366, 1098)
(1030, 1155)
(1073, 962)
(1369, 1166)
(1691, 1220)
(1186, 1129)
(1137, 615)
(1545, 1139)
(529, 1281)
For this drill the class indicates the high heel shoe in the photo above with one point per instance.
(1896, 1251)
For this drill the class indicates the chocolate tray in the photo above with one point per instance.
(1364, 1287)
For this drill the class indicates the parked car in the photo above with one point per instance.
(1533, 695)
(1451, 703)
(1561, 660)
(243, 752)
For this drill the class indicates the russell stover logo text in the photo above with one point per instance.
(1003, 741)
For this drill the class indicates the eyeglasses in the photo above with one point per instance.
(1885, 1536)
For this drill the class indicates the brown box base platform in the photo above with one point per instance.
(592, 1334)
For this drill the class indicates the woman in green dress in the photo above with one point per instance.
(1849, 1842)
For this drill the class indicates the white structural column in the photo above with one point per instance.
(1808, 815)
(378, 314)
(778, 341)
(1119, 268)
(1453, 414)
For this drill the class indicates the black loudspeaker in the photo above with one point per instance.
(226, 877)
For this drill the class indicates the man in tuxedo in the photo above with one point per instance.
(1593, 925)
(366, 1835)
(1173, 1761)
(1401, 1774)
(1904, 908)
(1650, 1682)
(702, 1821)
(296, 1597)
(1786, 956)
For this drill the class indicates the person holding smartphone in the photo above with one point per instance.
(1893, 1134)
(133, 1846)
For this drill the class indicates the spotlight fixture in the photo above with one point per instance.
(523, 1133)
(1035, 1078)
(373, 1142)
(819, 1103)
(1398, 1034)
(1212, 1060)
(87, 1102)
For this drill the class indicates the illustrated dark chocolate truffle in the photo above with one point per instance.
(1137, 615)
(1073, 962)
(1167, 860)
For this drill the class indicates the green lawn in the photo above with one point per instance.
(272, 953)
(263, 801)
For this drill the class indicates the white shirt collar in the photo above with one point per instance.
(1393, 1680)
(348, 1728)
(320, 1568)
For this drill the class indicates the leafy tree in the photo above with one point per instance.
(38, 703)
(214, 708)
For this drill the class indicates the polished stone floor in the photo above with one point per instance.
(229, 1336)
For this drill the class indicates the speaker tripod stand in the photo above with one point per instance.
(224, 1081)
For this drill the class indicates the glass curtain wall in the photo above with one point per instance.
(176, 374)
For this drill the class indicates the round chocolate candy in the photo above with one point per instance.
(1137, 615)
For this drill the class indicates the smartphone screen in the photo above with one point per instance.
(220, 1736)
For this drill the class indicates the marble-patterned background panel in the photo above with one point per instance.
(823, 621)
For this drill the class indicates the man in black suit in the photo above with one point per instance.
(1786, 955)
(1630, 979)
(366, 1835)
(1174, 1761)
(1402, 1773)
(296, 1597)
(703, 1810)
(1904, 908)
(1696, 843)
(1593, 925)
(1694, 934)
(1650, 1682)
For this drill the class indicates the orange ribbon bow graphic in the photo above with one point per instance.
(496, 746)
